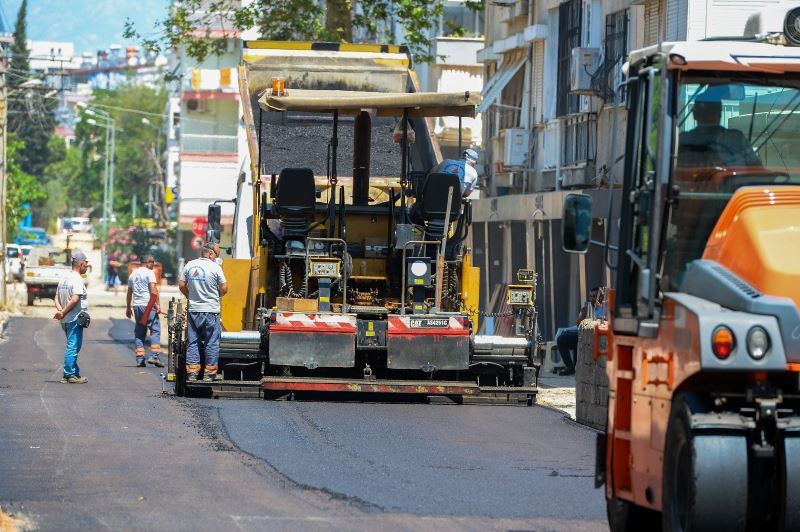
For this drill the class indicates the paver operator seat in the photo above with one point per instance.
(432, 201)
(295, 197)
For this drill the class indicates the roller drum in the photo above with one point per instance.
(242, 342)
(501, 345)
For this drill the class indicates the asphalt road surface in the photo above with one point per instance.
(116, 453)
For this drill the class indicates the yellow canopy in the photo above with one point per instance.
(385, 103)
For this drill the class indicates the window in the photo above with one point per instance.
(730, 135)
(616, 50)
(569, 37)
(460, 21)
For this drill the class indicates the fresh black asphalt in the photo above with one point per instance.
(116, 453)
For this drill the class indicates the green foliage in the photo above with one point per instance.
(135, 148)
(129, 243)
(30, 108)
(22, 188)
(188, 23)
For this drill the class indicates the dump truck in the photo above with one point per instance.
(351, 269)
(703, 345)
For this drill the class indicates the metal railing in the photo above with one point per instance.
(580, 139)
(209, 143)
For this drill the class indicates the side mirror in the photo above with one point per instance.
(577, 223)
(213, 232)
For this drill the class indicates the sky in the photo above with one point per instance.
(91, 24)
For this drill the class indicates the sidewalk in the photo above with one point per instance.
(557, 392)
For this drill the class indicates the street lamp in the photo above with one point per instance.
(108, 174)
(108, 190)
(154, 192)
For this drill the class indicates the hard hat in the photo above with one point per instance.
(470, 155)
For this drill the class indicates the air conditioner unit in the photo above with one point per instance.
(196, 105)
(583, 65)
(505, 179)
(780, 18)
(516, 143)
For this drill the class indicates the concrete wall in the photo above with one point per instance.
(591, 382)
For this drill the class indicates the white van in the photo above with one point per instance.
(80, 225)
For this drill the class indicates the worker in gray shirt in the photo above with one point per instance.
(204, 283)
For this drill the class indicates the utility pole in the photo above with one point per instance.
(3, 173)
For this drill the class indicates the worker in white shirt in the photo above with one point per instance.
(203, 283)
(464, 168)
(143, 300)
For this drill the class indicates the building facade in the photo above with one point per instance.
(553, 115)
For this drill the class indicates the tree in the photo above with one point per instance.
(135, 145)
(22, 188)
(30, 111)
(189, 22)
(65, 168)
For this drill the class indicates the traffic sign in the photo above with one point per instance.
(199, 226)
(197, 243)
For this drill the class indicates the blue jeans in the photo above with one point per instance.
(74, 334)
(203, 327)
(140, 331)
(567, 343)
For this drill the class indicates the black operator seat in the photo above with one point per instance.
(432, 201)
(295, 198)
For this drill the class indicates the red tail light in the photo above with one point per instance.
(722, 342)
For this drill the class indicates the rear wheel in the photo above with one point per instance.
(625, 516)
(791, 482)
(704, 478)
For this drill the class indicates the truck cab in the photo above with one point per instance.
(702, 348)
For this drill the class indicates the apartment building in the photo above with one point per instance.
(553, 116)
(454, 44)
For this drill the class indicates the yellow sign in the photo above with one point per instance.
(144, 222)
(169, 196)
(195, 79)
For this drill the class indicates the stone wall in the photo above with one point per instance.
(591, 382)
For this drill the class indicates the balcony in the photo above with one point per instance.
(458, 51)
(209, 143)
(580, 139)
(209, 148)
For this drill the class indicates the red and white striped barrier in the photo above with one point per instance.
(302, 322)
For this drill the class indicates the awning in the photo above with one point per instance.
(385, 103)
(509, 67)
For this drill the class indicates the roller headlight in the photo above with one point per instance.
(757, 343)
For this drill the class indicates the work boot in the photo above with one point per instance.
(140, 362)
(155, 361)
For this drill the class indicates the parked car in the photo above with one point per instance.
(32, 236)
(15, 263)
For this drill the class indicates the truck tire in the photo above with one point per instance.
(791, 482)
(625, 516)
(705, 477)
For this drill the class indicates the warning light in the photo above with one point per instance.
(722, 342)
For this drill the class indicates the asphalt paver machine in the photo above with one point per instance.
(356, 280)
(703, 347)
